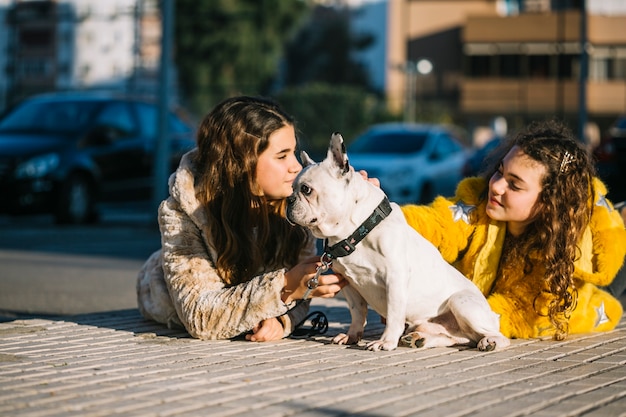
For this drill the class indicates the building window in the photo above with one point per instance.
(36, 38)
(479, 66)
(539, 66)
(567, 66)
(510, 66)
(617, 68)
(598, 69)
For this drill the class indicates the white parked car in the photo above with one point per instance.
(414, 162)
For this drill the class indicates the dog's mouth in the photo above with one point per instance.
(296, 215)
(293, 219)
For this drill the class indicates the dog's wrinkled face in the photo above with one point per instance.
(321, 192)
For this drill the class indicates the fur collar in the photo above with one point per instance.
(183, 190)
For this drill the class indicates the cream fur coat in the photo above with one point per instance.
(179, 285)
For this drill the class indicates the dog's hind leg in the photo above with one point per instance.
(476, 320)
(440, 332)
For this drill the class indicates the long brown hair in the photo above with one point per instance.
(562, 212)
(249, 232)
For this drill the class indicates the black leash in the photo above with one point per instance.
(319, 325)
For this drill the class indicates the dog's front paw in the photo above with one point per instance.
(489, 343)
(413, 340)
(346, 339)
(382, 345)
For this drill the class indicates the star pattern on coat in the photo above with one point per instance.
(461, 211)
(602, 317)
(603, 203)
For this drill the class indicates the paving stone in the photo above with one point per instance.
(118, 364)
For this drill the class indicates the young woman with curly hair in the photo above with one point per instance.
(536, 234)
(230, 263)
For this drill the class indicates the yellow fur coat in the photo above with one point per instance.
(472, 242)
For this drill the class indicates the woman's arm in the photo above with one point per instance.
(448, 223)
(604, 244)
(207, 308)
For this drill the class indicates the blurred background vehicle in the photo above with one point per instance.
(610, 157)
(62, 153)
(414, 162)
(475, 162)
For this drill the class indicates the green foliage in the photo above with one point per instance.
(321, 109)
(228, 47)
(434, 112)
(322, 50)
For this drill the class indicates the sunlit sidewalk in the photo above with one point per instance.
(119, 364)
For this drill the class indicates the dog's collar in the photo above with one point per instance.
(347, 246)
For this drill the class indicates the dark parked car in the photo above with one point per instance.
(62, 153)
(610, 158)
(414, 162)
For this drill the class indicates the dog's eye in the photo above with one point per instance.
(305, 189)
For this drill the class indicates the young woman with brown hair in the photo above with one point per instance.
(230, 263)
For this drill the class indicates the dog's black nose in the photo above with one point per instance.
(291, 199)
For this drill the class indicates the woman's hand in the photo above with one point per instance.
(266, 331)
(374, 181)
(296, 280)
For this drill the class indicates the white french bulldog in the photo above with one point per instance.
(389, 266)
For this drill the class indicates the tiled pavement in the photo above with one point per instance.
(117, 364)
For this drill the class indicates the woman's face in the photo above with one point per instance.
(514, 189)
(278, 166)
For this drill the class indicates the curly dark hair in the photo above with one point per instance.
(562, 211)
(230, 139)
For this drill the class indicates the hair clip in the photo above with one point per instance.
(568, 158)
(250, 134)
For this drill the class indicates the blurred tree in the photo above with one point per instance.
(322, 50)
(323, 108)
(226, 47)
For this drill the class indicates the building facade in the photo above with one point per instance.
(80, 44)
(517, 59)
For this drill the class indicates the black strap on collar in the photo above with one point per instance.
(347, 246)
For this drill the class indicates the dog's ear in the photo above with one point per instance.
(306, 159)
(337, 152)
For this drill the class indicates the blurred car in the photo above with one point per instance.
(414, 162)
(610, 157)
(476, 159)
(62, 153)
